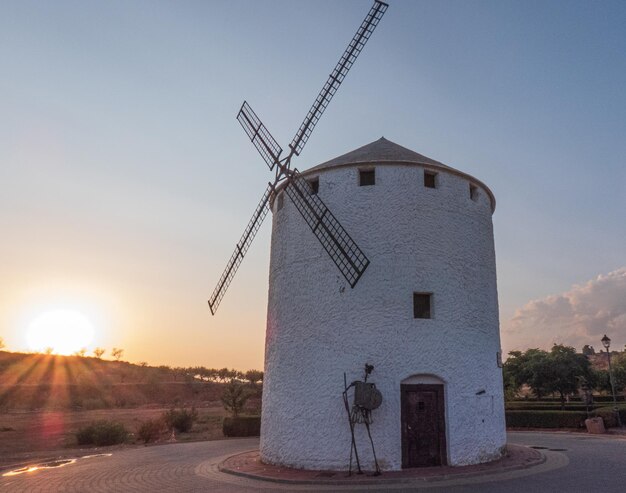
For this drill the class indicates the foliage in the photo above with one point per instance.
(117, 353)
(234, 397)
(561, 370)
(607, 414)
(102, 433)
(253, 376)
(619, 372)
(180, 420)
(150, 430)
(224, 373)
(1, 343)
(547, 406)
(545, 419)
(588, 350)
(564, 369)
(242, 426)
(98, 352)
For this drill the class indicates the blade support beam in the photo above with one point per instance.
(241, 249)
(259, 135)
(345, 253)
(336, 77)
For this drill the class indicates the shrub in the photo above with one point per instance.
(545, 419)
(546, 406)
(180, 420)
(150, 430)
(242, 426)
(234, 397)
(102, 433)
(608, 415)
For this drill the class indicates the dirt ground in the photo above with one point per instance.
(28, 435)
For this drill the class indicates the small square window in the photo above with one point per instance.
(315, 185)
(430, 179)
(422, 305)
(367, 177)
(279, 202)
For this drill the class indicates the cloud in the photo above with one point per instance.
(576, 317)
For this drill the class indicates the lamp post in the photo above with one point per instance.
(606, 342)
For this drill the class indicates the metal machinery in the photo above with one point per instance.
(366, 398)
(345, 253)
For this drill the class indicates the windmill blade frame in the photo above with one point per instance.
(342, 249)
(259, 135)
(240, 249)
(337, 76)
(345, 253)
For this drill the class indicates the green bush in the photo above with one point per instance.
(545, 419)
(607, 414)
(150, 430)
(608, 398)
(102, 433)
(546, 406)
(180, 420)
(242, 426)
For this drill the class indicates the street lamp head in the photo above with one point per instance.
(606, 342)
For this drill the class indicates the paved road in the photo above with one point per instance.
(587, 464)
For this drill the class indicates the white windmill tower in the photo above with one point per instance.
(424, 314)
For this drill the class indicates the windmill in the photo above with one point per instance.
(342, 249)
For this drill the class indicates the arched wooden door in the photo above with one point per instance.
(423, 425)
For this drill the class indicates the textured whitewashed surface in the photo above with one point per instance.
(418, 240)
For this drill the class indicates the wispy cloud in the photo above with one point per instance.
(576, 317)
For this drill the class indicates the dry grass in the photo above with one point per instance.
(30, 434)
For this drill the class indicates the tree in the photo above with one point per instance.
(98, 352)
(48, 350)
(81, 352)
(558, 371)
(223, 374)
(234, 397)
(253, 376)
(526, 368)
(117, 353)
(588, 350)
(1, 343)
(565, 368)
(619, 372)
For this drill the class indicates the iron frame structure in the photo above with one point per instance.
(342, 249)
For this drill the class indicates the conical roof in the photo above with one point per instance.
(385, 152)
(379, 151)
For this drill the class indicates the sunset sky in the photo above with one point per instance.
(125, 179)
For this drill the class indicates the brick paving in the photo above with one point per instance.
(249, 465)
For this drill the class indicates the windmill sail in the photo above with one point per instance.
(259, 135)
(346, 254)
(337, 75)
(240, 250)
(342, 249)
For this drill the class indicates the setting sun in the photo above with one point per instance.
(65, 331)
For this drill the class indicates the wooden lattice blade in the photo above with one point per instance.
(259, 135)
(336, 77)
(240, 250)
(342, 249)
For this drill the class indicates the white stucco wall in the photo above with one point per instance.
(418, 240)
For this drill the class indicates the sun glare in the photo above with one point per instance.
(65, 331)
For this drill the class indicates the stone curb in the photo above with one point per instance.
(379, 480)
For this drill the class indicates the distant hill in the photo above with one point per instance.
(32, 382)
